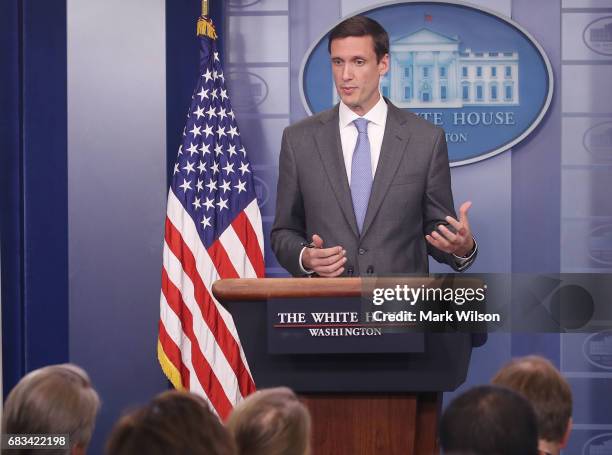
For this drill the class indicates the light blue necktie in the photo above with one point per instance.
(361, 172)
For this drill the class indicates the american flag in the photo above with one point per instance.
(213, 231)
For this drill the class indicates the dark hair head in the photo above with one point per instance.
(362, 26)
(172, 423)
(548, 392)
(489, 420)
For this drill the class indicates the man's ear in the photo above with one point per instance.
(383, 65)
(566, 436)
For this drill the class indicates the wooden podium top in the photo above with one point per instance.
(266, 288)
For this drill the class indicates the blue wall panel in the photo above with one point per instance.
(45, 186)
(34, 183)
(10, 194)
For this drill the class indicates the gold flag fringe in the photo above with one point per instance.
(206, 28)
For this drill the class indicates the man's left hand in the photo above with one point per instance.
(459, 243)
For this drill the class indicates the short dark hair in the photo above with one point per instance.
(549, 393)
(362, 26)
(489, 420)
(172, 423)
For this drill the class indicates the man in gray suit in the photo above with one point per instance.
(364, 188)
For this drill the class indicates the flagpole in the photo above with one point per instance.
(204, 8)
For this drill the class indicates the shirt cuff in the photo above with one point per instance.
(462, 261)
(304, 271)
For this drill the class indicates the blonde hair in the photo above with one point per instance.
(271, 422)
(57, 399)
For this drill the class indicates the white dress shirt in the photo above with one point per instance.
(377, 119)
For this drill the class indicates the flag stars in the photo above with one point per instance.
(196, 203)
(215, 167)
(186, 185)
(189, 167)
(209, 203)
(233, 131)
(199, 112)
(195, 131)
(207, 75)
(192, 149)
(241, 186)
(244, 167)
(219, 179)
(180, 152)
(212, 186)
(203, 94)
(211, 112)
(205, 147)
(208, 130)
(225, 186)
(222, 204)
(206, 222)
(229, 168)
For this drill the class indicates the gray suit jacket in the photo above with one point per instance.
(411, 192)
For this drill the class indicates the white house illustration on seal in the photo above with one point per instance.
(429, 69)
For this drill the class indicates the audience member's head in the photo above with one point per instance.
(172, 423)
(57, 399)
(271, 422)
(548, 392)
(489, 420)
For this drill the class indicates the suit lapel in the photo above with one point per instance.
(330, 150)
(394, 143)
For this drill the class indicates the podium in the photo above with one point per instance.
(360, 403)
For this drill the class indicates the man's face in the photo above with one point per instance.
(356, 72)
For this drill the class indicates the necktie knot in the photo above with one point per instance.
(362, 125)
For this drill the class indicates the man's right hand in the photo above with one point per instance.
(325, 262)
